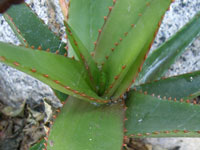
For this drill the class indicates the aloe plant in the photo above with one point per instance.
(108, 96)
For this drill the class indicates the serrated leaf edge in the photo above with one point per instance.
(146, 55)
(81, 55)
(17, 65)
(105, 21)
(23, 40)
(137, 135)
(188, 101)
(51, 123)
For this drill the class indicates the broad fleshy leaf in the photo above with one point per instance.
(158, 62)
(129, 13)
(150, 116)
(180, 87)
(31, 30)
(131, 50)
(84, 56)
(86, 18)
(61, 73)
(81, 126)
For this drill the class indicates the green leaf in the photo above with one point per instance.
(86, 18)
(38, 146)
(62, 97)
(84, 56)
(129, 79)
(129, 54)
(63, 74)
(180, 87)
(115, 28)
(159, 61)
(31, 30)
(81, 126)
(154, 117)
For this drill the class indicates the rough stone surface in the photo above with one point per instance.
(175, 143)
(18, 89)
(29, 100)
(181, 11)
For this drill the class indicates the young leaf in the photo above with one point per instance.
(136, 42)
(129, 79)
(87, 18)
(149, 116)
(81, 125)
(160, 60)
(61, 73)
(179, 87)
(31, 30)
(84, 56)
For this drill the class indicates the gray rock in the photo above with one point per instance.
(156, 147)
(18, 89)
(175, 143)
(181, 11)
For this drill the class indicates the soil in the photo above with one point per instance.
(19, 133)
